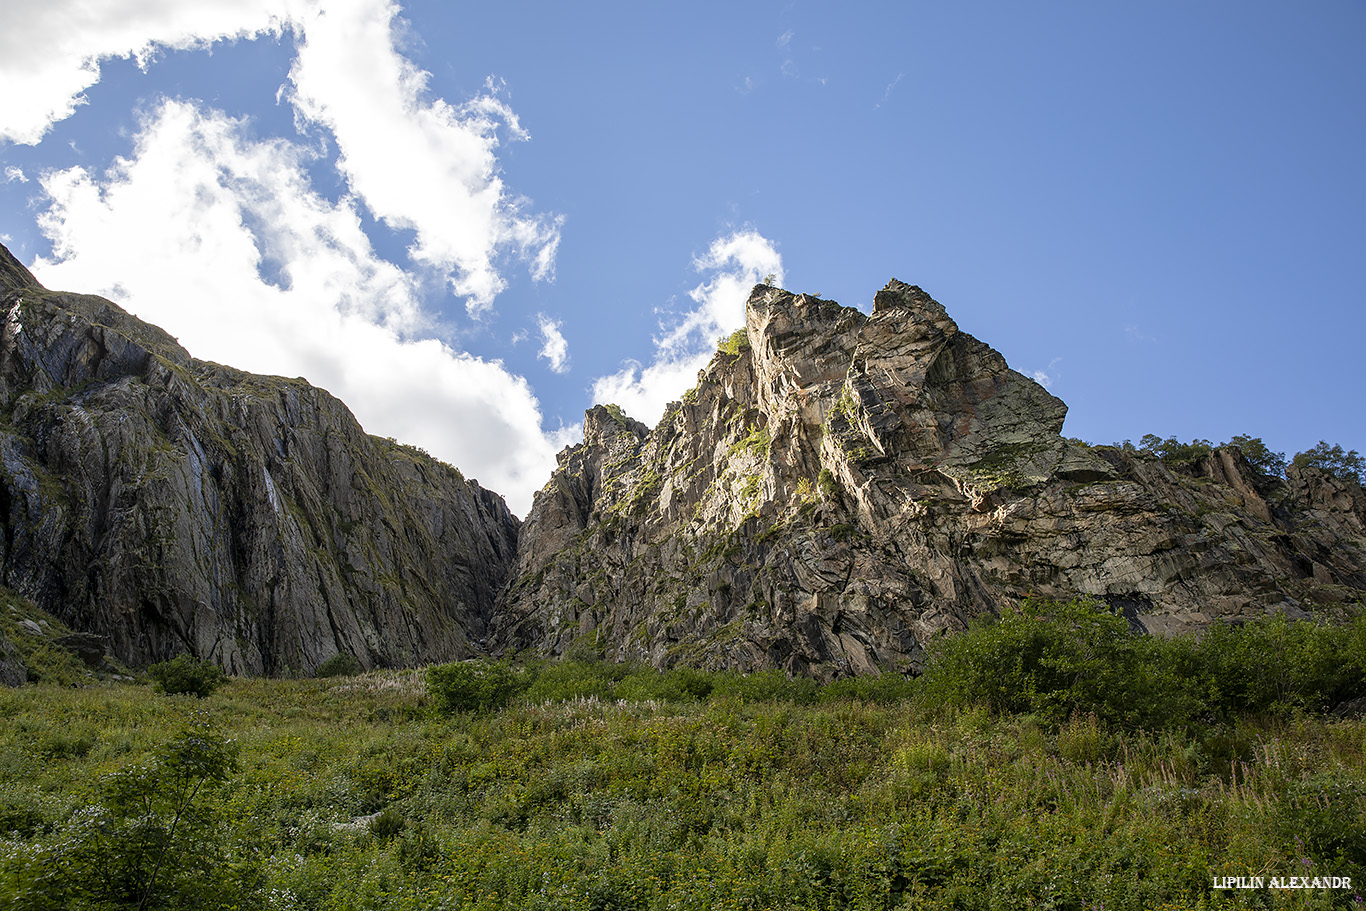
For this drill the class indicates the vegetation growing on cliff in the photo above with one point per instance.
(1331, 458)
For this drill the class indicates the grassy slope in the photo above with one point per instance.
(722, 804)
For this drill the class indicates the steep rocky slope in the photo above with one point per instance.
(839, 488)
(173, 505)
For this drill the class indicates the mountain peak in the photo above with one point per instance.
(848, 486)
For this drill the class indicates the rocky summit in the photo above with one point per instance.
(167, 505)
(836, 491)
(840, 488)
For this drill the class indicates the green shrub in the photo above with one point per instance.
(1173, 450)
(764, 686)
(387, 824)
(476, 685)
(339, 665)
(1271, 464)
(680, 684)
(1053, 659)
(560, 681)
(187, 674)
(151, 841)
(829, 487)
(736, 342)
(1346, 465)
(885, 688)
(1058, 660)
(1274, 666)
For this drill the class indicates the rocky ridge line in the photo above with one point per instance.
(842, 487)
(169, 504)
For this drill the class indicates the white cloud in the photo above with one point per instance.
(737, 263)
(50, 51)
(785, 38)
(222, 241)
(12, 174)
(1047, 377)
(416, 162)
(556, 349)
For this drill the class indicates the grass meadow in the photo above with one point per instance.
(592, 786)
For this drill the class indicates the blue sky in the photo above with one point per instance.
(472, 221)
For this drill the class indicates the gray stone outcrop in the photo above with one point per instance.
(848, 486)
(171, 505)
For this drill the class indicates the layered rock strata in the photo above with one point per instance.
(839, 488)
(171, 505)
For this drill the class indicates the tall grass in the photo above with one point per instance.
(604, 787)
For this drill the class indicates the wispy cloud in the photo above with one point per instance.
(12, 174)
(221, 239)
(554, 348)
(887, 92)
(735, 263)
(785, 38)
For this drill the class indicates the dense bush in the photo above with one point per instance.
(471, 686)
(150, 840)
(1047, 658)
(187, 674)
(1056, 660)
(1271, 464)
(339, 665)
(734, 343)
(1173, 450)
(1345, 464)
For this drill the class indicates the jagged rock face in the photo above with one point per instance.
(175, 505)
(847, 486)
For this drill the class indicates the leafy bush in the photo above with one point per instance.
(1061, 660)
(1346, 465)
(736, 342)
(187, 674)
(151, 841)
(339, 665)
(764, 686)
(1271, 464)
(1173, 450)
(560, 681)
(475, 685)
(1275, 665)
(884, 688)
(1049, 658)
(387, 824)
(680, 684)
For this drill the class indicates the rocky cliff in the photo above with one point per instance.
(175, 505)
(839, 488)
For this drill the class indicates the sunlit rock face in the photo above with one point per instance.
(174, 505)
(844, 487)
